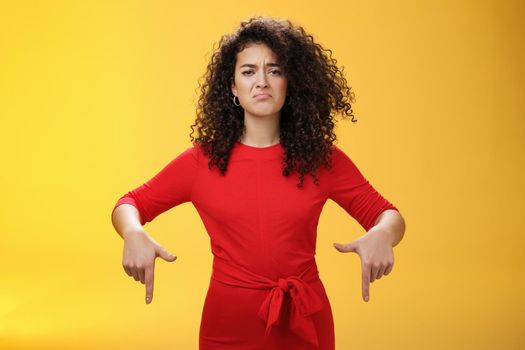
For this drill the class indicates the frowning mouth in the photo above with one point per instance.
(261, 96)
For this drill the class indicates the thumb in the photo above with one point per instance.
(345, 248)
(164, 254)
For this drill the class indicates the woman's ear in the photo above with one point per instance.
(234, 89)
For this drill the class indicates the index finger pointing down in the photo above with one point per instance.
(149, 272)
(366, 281)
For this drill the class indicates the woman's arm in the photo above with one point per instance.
(140, 250)
(375, 248)
(392, 224)
(171, 186)
(126, 219)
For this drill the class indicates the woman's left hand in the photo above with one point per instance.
(377, 256)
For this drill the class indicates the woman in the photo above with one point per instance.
(264, 122)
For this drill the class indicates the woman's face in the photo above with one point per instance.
(257, 72)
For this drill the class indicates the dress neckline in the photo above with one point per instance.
(242, 145)
(252, 152)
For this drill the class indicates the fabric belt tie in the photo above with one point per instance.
(304, 300)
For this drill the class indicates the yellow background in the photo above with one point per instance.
(97, 96)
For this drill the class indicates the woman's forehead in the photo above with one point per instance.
(256, 52)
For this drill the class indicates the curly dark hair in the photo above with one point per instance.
(316, 86)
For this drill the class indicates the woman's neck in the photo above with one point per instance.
(261, 132)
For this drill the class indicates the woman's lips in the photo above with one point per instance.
(262, 96)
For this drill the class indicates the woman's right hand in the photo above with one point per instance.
(140, 252)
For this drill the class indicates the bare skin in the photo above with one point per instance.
(258, 72)
(375, 248)
(140, 249)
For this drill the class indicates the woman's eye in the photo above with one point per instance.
(275, 72)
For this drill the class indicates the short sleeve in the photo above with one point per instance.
(171, 186)
(353, 192)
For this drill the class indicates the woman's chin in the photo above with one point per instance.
(262, 112)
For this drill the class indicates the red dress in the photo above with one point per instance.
(265, 291)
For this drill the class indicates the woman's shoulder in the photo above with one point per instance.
(338, 153)
(190, 155)
(341, 161)
(199, 149)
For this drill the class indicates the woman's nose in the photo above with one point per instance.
(261, 80)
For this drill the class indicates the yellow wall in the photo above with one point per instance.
(96, 96)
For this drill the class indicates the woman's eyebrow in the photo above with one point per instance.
(254, 65)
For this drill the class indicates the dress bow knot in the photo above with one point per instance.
(304, 303)
(283, 283)
(304, 300)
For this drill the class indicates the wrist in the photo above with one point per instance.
(133, 232)
(385, 232)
